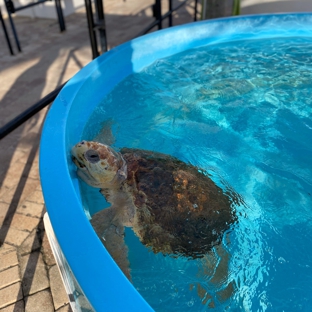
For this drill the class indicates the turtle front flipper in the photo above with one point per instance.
(110, 230)
(105, 135)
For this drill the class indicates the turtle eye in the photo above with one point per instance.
(92, 156)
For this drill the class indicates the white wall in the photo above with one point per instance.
(47, 10)
(44, 10)
(275, 6)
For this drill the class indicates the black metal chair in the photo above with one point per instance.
(11, 9)
(98, 23)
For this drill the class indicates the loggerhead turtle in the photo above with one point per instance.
(173, 207)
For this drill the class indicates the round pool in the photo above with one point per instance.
(93, 280)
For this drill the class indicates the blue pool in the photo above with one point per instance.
(230, 96)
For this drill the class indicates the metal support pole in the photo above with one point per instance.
(101, 24)
(170, 10)
(60, 16)
(15, 33)
(92, 34)
(10, 9)
(6, 34)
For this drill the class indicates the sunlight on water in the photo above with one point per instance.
(242, 111)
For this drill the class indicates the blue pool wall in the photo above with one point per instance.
(97, 274)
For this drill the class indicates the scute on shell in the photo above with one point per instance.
(180, 210)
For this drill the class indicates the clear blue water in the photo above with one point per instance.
(243, 112)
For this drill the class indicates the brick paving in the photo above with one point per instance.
(29, 278)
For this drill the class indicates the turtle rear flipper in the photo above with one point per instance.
(111, 232)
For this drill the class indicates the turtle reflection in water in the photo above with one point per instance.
(172, 207)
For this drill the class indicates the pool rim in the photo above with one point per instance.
(60, 186)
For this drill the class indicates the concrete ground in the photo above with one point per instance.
(29, 278)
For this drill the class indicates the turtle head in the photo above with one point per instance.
(98, 164)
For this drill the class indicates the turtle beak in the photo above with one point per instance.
(75, 153)
(77, 163)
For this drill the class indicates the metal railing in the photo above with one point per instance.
(93, 27)
(98, 23)
(28, 113)
(160, 18)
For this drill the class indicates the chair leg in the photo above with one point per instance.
(14, 33)
(60, 15)
(157, 12)
(170, 16)
(101, 27)
(195, 11)
(92, 34)
(10, 9)
(6, 34)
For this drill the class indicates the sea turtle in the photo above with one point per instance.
(173, 207)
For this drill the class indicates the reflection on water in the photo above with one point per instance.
(242, 113)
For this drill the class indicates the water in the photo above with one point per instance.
(242, 111)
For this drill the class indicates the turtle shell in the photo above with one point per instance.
(179, 209)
